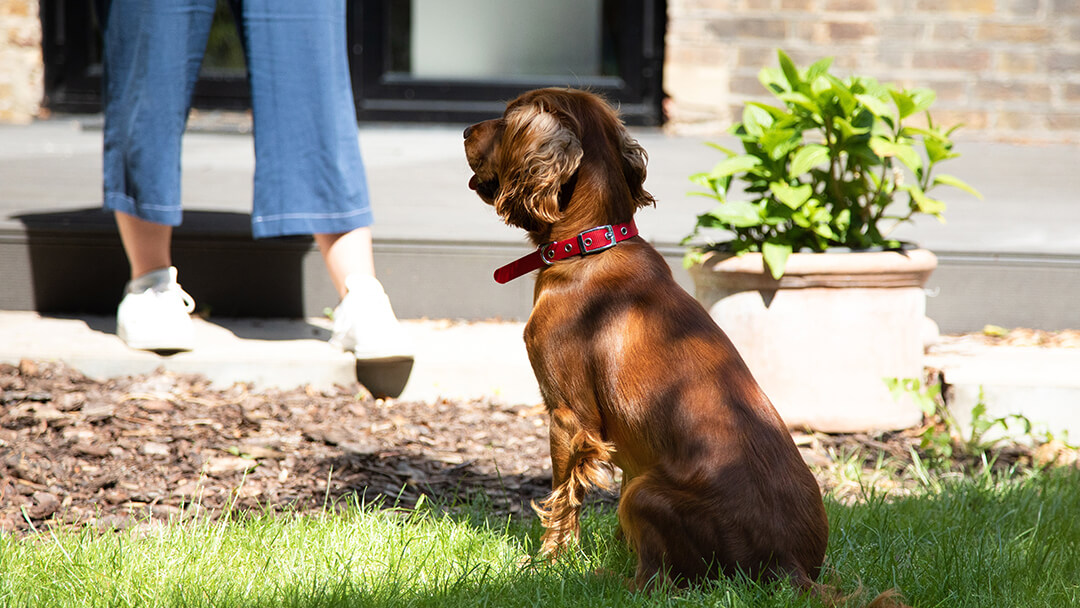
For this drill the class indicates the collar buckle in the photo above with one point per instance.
(588, 241)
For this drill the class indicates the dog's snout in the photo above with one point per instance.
(467, 132)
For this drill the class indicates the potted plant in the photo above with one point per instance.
(821, 300)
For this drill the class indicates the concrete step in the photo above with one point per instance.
(1015, 384)
(71, 262)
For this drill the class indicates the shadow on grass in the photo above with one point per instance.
(400, 479)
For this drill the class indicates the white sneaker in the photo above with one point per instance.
(155, 313)
(364, 323)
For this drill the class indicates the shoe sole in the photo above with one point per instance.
(385, 377)
(160, 346)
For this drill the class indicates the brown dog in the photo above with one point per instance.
(632, 369)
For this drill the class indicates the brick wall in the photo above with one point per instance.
(1007, 69)
(21, 67)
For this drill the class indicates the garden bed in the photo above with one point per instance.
(161, 447)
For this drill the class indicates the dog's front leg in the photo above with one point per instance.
(559, 512)
(579, 459)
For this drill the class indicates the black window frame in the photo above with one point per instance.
(70, 38)
(383, 94)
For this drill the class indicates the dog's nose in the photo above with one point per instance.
(467, 131)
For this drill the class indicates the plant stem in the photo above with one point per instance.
(885, 166)
(834, 159)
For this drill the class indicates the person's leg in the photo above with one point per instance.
(152, 54)
(347, 254)
(148, 245)
(309, 175)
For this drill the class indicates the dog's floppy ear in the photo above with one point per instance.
(539, 155)
(634, 159)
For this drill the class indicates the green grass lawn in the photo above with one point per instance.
(970, 542)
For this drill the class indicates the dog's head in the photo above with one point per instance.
(550, 147)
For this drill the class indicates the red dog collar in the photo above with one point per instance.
(592, 240)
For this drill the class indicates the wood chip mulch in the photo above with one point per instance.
(75, 451)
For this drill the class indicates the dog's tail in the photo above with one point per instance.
(833, 596)
(888, 599)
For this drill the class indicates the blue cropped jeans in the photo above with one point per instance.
(309, 177)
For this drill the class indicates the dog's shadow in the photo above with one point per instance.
(474, 494)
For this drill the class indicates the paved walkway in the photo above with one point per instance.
(454, 360)
(418, 178)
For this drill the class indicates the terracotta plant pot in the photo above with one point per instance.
(822, 340)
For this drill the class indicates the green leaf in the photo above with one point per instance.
(791, 196)
(790, 71)
(775, 254)
(734, 165)
(821, 88)
(875, 105)
(717, 187)
(756, 119)
(904, 104)
(938, 150)
(847, 130)
(924, 203)
(956, 182)
(927, 133)
(774, 112)
(819, 67)
(843, 220)
(716, 146)
(701, 179)
(715, 195)
(895, 387)
(777, 143)
(801, 219)
(773, 80)
(800, 100)
(904, 152)
(842, 93)
(692, 257)
(808, 157)
(738, 214)
(922, 98)
(826, 231)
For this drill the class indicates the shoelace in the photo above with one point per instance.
(174, 288)
(185, 297)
